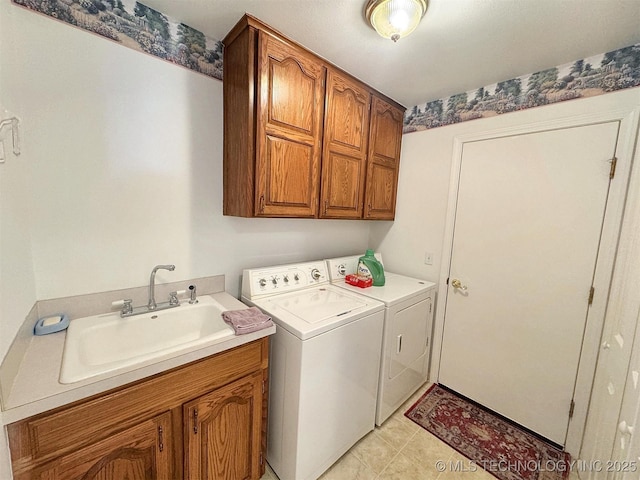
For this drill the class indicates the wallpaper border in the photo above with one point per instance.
(588, 77)
(139, 27)
(144, 29)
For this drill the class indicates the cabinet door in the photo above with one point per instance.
(222, 432)
(344, 156)
(289, 129)
(142, 452)
(385, 137)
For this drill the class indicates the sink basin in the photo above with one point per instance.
(103, 343)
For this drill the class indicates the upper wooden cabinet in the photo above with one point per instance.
(344, 155)
(383, 160)
(297, 133)
(290, 96)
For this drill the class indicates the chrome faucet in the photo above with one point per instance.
(152, 305)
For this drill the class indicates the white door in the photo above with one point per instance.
(527, 229)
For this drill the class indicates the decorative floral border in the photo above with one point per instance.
(137, 26)
(588, 77)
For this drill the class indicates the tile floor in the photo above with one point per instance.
(402, 450)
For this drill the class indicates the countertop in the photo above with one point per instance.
(36, 388)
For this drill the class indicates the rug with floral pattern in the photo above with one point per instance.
(489, 441)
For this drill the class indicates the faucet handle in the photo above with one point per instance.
(192, 291)
(173, 298)
(126, 306)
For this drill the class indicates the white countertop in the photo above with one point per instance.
(36, 388)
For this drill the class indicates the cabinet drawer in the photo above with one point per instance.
(40, 438)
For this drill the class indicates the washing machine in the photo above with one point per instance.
(408, 323)
(324, 365)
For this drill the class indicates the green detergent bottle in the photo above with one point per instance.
(369, 266)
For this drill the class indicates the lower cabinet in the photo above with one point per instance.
(202, 421)
(222, 432)
(137, 453)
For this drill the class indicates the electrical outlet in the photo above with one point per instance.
(428, 258)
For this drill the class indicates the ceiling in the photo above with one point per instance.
(460, 45)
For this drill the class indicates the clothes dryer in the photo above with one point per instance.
(408, 324)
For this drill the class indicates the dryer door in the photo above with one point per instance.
(408, 339)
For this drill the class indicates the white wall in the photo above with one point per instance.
(122, 170)
(17, 282)
(425, 171)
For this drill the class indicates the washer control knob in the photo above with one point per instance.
(296, 277)
(315, 274)
(274, 279)
(285, 278)
(262, 282)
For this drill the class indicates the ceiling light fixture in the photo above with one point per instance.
(395, 19)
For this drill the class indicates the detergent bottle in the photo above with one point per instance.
(369, 266)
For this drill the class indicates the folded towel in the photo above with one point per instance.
(247, 320)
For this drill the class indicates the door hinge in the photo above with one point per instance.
(572, 407)
(447, 281)
(261, 460)
(612, 172)
(263, 387)
(591, 292)
(430, 306)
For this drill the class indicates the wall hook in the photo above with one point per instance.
(15, 134)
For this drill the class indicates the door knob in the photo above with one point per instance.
(455, 283)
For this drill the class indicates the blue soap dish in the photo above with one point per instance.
(51, 324)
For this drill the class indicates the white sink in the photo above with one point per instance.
(103, 343)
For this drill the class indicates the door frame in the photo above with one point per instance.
(628, 120)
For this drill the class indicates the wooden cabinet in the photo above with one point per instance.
(289, 129)
(297, 131)
(146, 430)
(223, 432)
(345, 147)
(141, 452)
(383, 160)
(273, 113)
